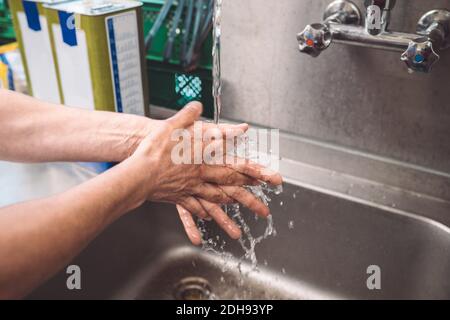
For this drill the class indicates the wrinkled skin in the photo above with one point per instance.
(200, 189)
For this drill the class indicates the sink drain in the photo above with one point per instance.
(193, 288)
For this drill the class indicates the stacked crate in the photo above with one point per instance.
(6, 26)
(169, 84)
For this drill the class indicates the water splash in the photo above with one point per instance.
(291, 225)
(217, 77)
(248, 242)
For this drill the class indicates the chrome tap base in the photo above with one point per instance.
(343, 12)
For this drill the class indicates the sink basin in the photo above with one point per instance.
(323, 247)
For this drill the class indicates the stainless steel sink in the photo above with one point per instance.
(326, 254)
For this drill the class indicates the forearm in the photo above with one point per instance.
(36, 131)
(38, 238)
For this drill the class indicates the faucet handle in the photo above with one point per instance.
(314, 39)
(420, 55)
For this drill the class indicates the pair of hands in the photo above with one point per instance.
(199, 189)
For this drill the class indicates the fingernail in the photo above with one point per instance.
(241, 126)
(195, 104)
(238, 235)
(268, 172)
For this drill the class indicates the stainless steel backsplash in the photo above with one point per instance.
(354, 97)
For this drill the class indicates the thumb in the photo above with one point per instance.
(187, 116)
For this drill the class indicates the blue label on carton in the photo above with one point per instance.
(32, 14)
(5, 61)
(67, 23)
(115, 66)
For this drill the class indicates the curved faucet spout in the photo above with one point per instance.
(378, 15)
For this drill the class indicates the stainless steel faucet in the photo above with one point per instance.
(378, 15)
(342, 23)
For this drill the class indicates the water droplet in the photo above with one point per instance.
(277, 190)
(248, 242)
(281, 203)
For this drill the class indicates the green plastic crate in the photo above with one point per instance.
(151, 10)
(171, 88)
(169, 85)
(6, 26)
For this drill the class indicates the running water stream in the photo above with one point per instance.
(217, 77)
(248, 242)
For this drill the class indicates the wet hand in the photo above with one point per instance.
(199, 187)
